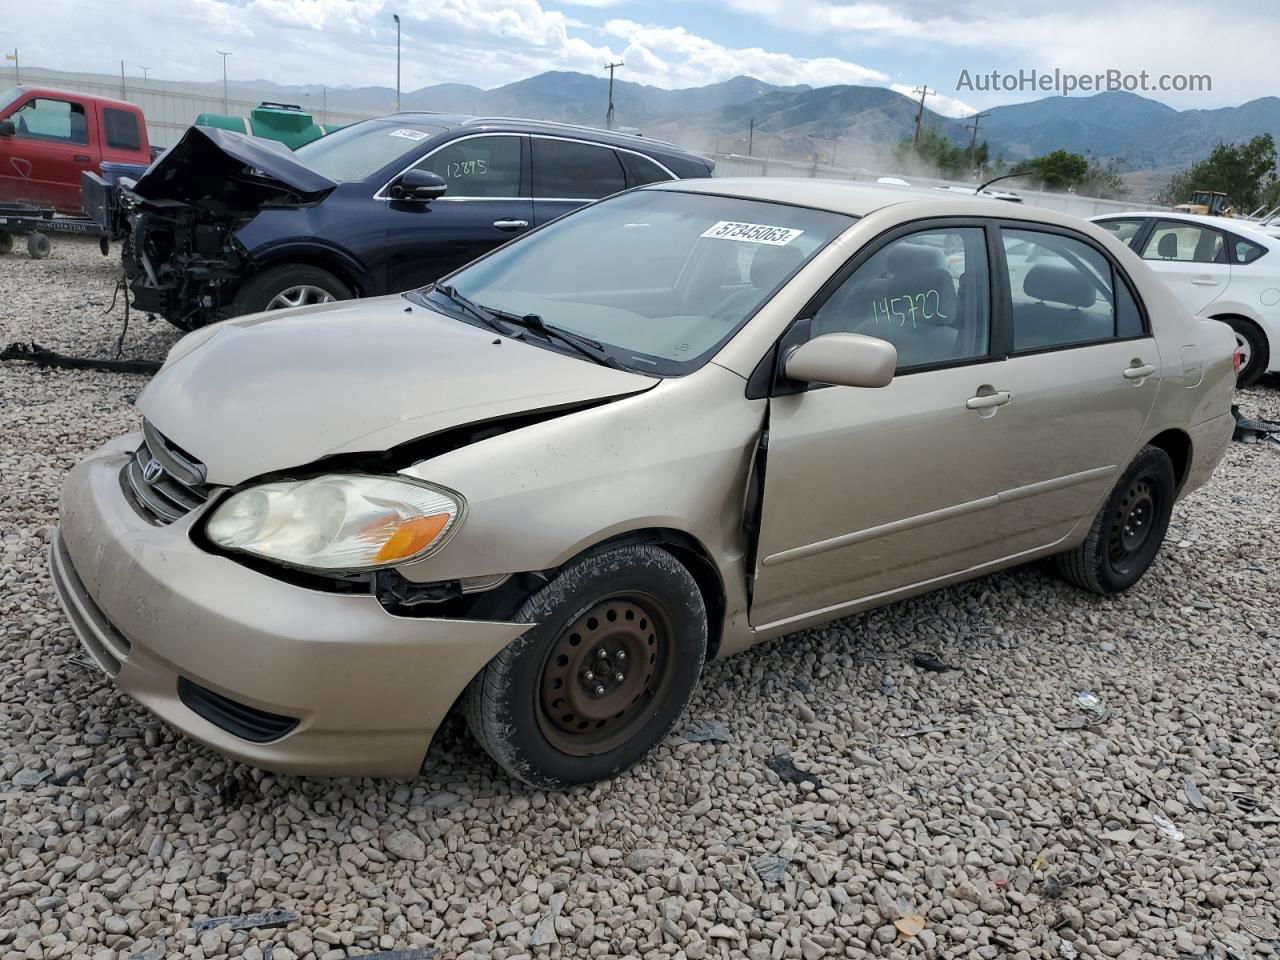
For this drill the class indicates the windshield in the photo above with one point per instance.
(362, 149)
(659, 278)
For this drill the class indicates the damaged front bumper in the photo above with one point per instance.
(283, 677)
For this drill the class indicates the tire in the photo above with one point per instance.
(266, 290)
(1258, 353)
(1126, 535)
(629, 599)
(6, 243)
(38, 246)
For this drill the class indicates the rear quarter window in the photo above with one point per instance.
(120, 129)
(1246, 251)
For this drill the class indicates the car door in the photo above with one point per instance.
(47, 153)
(1083, 373)
(486, 204)
(869, 491)
(568, 173)
(1191, 258)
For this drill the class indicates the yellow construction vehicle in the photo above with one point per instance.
(1211, 203)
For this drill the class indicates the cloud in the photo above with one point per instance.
(674, 57)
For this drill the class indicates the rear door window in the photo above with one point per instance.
(569, 170)
(120, 129)
(1186, 242)
(478, 167)
(60, 121)
(1061, 289)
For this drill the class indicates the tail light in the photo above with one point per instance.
(1237, 359)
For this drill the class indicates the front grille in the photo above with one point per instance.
(163, 483)
(238, 719)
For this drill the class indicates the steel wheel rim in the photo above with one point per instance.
(300, 295)
(588, 703)
(1246, 351)
(1133, 522)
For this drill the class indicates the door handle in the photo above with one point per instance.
(1204, 281)
(1140, 372)
(510, 224)
(81, 158)
(988, 400)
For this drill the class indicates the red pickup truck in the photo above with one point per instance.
(49, 137)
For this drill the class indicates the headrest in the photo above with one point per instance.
(912, 257)
(771, 264)
(1046, 281)
(1167, 248)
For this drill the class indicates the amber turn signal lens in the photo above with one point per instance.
(411, 537)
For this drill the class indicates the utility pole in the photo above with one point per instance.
(973, 144)
(225, 102)
(324, 104)
(396, 17)
(608, 117)
(751, 136)
(122, 93)
(144, 73)
(924, 92)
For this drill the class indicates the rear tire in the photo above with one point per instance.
(1126, 535)
(288, 285)
(6, 243)
(619, 644)
(1253, 341)
(38, 246)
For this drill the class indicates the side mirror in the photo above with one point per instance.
(7, 128)
(419, 185)
(845, 359)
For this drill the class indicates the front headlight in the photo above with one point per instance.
(337, 523)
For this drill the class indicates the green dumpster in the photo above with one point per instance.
(285, 122)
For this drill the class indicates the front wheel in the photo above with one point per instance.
(289, 285)
(615, 655)
(1127, 532)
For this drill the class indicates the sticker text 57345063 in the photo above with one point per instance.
(751, 232)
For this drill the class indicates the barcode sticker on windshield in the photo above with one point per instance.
(409, 134)
(752, 233)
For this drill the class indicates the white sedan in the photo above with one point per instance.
(1219, 268)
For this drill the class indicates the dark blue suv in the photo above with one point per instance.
(224, 224)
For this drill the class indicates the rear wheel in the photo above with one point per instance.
(615, 656)
(289, 285)
(6, 243)
(1127, 532)
(38, 246)
(1254, 352)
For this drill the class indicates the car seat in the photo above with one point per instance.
(1060, 296)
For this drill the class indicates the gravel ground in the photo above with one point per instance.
(978, 812)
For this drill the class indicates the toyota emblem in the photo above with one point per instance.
(152, 471)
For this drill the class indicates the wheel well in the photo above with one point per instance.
(1177, 445)
(695, 558)
(315, 258)
(1262, 334)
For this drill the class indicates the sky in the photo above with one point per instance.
(667, 43)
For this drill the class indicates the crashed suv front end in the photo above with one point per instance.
(180, 254)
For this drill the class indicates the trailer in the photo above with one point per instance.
(37, 223)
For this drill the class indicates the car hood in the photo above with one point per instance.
(275, 391)
(221, 169)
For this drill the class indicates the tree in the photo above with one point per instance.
(1059, 170)
(1245, 172)
(949, 159)
(1105, 180)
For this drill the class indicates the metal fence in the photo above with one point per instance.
(169, 108)
(735, 165)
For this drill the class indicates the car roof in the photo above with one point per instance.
(1228, 224)
(55, 93)
(613, 138)
(859, 198)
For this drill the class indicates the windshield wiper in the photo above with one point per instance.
(591, 349)
(488, 318)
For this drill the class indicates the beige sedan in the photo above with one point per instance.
(677, 423)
